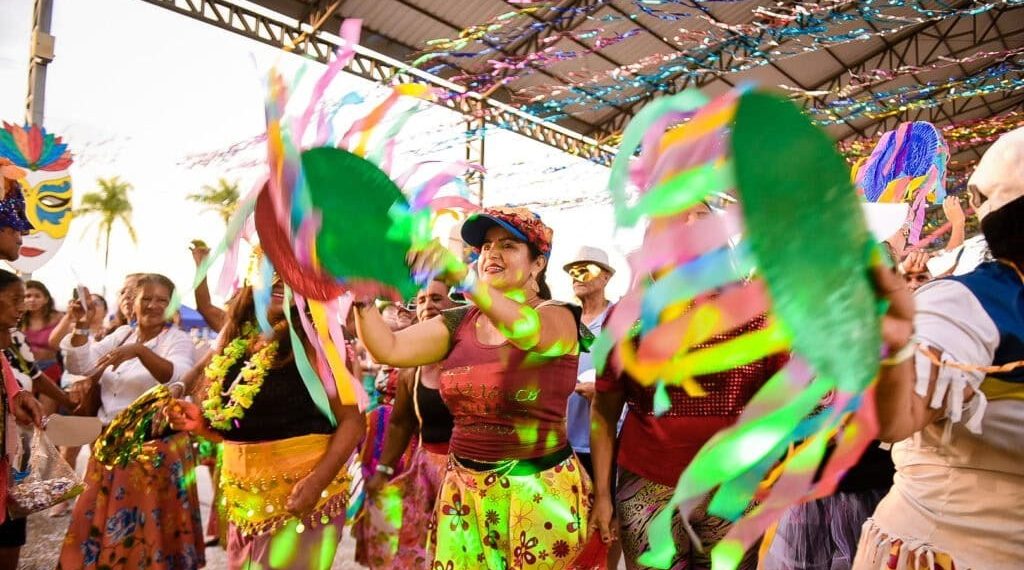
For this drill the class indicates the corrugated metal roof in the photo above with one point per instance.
(675, 30)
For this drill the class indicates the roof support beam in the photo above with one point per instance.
(618, 122)
(494, 46)
(940, 114)
(386, 71)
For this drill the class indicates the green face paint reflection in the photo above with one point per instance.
(284, 545)
(525, 332)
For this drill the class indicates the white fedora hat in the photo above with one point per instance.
(590, 254)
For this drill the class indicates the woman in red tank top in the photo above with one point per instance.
(513, 494)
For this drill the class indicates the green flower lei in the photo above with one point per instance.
(220, 414)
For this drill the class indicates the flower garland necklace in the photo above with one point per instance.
(243, 390)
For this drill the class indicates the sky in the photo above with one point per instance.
(142, 93)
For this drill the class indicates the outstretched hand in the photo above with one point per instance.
(954, 211)
(200, 251)
(76, 309)
(435, 262)
(119, 355)
(915, 262)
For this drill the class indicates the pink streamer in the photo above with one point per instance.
(388, 160)
(644, 164)
(627, 311)
(452, 203)
(305, 239)
(919, 210)
(430, 188)
(680, 242)
(682, 157)
(750, 528)
(350, 31)
(228, 281)
(325, 373)
(859, 432)
(323, 128)
(797, 375)
(337, 313)
(403, 178)
(370, 120)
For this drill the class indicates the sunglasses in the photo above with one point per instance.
(584, 272)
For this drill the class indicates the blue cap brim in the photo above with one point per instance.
(474, 230)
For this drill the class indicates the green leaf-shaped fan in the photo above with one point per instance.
(355, 198)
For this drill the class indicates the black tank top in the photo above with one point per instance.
(281, 410)
(436, 421)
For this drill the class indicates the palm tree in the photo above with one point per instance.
(222, 198)
(111, 204)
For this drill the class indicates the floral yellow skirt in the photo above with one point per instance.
(496, 521)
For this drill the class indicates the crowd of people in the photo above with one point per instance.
(490, 440)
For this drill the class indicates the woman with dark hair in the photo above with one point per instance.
(145, 514)
(951, 398)
(17, 406)
(513, 494)
(41, 317)
(283, 481)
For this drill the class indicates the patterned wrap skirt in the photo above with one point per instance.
(638, 500)
(489, 519)
(145, 515)
(397, 520)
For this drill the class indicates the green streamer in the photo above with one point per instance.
(683, 191)
(662, 403)
(688, 100)
(727, 554)
(309, 376)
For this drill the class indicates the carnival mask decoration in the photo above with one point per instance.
(45, 160)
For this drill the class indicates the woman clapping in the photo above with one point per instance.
(146, 514)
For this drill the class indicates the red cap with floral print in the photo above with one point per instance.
(520, 222)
